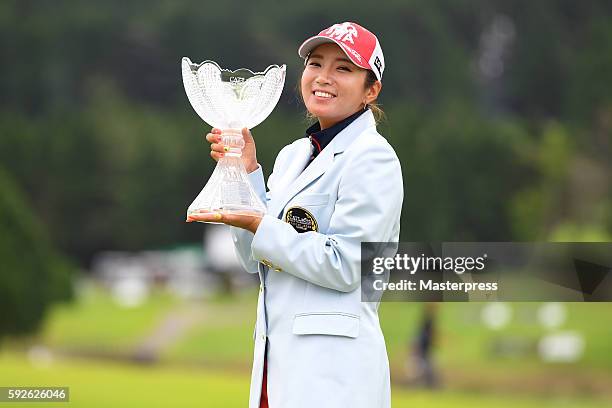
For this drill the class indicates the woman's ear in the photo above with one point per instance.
(373, 91)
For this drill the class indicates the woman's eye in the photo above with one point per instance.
(344, 69)
(314, 64)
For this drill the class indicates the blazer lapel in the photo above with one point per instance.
(290, 185)
(310, 173)
(294, 166)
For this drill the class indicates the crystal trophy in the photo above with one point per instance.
(231, 100)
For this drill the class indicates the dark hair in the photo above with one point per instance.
(379, 114)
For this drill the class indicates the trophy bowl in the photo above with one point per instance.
(231, 100)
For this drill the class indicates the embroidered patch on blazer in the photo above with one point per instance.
(301, 219)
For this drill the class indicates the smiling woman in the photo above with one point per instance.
(333, 87)
(316, 342)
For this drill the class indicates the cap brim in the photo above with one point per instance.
(313, 42)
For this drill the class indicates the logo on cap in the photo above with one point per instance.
(378, 65)
(343, 32)
(353, 52)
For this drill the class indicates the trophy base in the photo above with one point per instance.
(249, 212)
(228, 191)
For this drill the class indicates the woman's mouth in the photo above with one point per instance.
(322, 94)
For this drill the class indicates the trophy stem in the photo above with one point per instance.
(233, 139)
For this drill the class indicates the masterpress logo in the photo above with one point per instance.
(428, 265)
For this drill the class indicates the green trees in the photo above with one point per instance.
(98, 134)
(32, 275)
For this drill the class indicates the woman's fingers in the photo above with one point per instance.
(218, 147)
(248, 222)
(205, 217)
(217, 151)
(213, 137)
(208, 216)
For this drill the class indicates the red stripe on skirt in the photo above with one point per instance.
(263, 402)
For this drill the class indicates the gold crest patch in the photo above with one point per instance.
(301, 219)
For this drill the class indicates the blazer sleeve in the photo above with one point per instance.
(243, 238)
(368, 208)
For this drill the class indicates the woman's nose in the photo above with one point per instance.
(323, 78)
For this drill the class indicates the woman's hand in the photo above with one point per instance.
(249, 159)
(247, 222)
(218, 150)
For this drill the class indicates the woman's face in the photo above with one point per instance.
(333, 88)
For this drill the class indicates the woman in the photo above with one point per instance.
(316, 343)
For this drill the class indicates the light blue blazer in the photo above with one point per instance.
(325, 346)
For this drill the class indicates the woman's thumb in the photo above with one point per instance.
(246, 134)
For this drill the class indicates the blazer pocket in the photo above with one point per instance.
(329, 323)
(312, 199)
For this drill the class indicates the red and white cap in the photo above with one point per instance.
(360, 45)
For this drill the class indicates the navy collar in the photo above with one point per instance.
(321, 138)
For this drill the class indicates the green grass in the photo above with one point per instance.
(222, 340)
(96, 384)
(225, 335)
(225, 332)
(221, 344)
(97, 321)
(464, 341)
(428, 399)
(103, 384)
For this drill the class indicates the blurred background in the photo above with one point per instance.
(500, 112)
